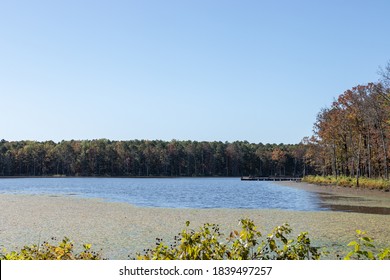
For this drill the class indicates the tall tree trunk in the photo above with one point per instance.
(334, 170)
(358, 162)
(369, 155)
(385, 158)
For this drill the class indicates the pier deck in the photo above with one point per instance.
(257, 178)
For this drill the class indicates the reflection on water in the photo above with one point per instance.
(327, 199)
(358, 209)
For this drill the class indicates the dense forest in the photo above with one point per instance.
(351, 138)
(103, 157)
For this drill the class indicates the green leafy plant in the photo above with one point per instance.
(364, 248)
(208, 243)
(278, 247)
(47, 251)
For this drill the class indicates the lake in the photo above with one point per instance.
(172, 192)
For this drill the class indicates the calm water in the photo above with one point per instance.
(172, 193)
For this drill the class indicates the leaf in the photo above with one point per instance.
(365, 238)
(348, 256)
(370, 255)
(357, 247)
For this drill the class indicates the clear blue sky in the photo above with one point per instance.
(187, 70)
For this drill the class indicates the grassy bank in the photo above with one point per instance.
(351, 182)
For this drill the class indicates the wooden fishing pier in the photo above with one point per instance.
(257, 178)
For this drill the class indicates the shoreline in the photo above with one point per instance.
(334, 189)
(115, 177)
(121, 229)
(338, 198)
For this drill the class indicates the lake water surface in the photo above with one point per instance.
(172, 192)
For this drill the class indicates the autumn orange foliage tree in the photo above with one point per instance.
(351, 137)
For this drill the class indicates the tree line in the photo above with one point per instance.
(103, 157)
(351, 137)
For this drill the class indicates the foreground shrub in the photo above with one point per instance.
(46, 251)
(364, 249)
(208, 244)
